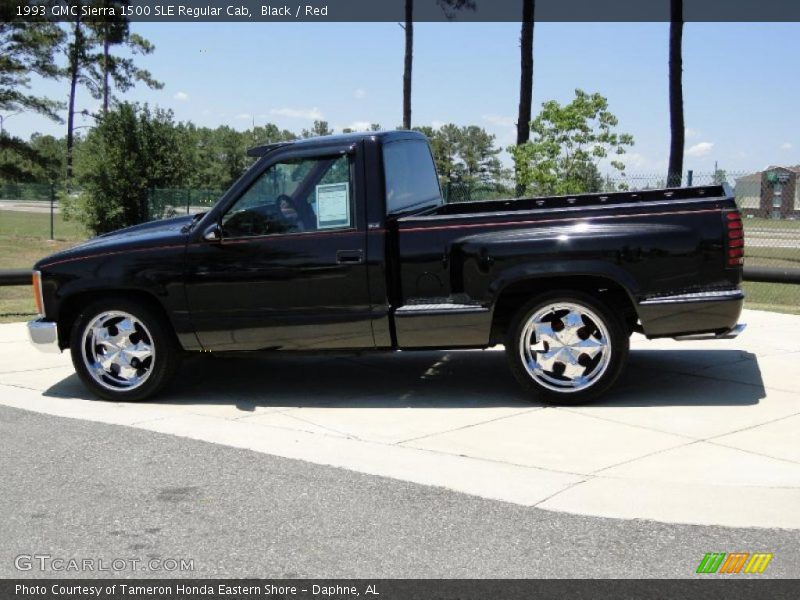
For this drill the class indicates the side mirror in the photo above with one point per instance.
(213, 233)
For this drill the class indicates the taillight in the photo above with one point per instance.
(734, 238)
(37, 293)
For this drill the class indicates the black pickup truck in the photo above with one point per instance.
(344, 243)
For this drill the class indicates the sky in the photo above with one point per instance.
(741, 81)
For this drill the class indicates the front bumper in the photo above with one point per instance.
(44, 335)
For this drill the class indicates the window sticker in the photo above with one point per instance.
(333, 205)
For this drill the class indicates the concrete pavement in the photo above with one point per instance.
(694, 432)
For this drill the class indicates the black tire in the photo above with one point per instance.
(600, 372)
(165, 351)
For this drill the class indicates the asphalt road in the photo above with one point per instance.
(82, 490)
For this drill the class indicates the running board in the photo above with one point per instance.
(725, 335)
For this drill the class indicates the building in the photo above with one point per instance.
(773, 193)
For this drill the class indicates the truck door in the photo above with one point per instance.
(289, 269)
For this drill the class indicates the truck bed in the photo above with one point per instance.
(577, 201)
(649, 246)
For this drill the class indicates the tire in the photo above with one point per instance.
(123, 350)
(570, 373)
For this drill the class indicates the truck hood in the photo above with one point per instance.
(155, 233)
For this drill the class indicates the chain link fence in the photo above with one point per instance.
(170, 202)
(35, 209)
(769, 201)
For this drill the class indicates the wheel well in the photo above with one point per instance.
(71, 306)
(515, 295)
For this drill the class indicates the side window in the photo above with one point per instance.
(410, 175)
(294, 196)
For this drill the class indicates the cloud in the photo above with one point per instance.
(360, 93)
(701, 149)
(244, 117)
(691, 133)
(181, 96)
(499, 120)
(786, 146)
(359, 126)
(437, 124)
(298, 113)
(632, 160)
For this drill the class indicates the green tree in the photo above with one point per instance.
(40, 159)
(448, 143)
(26, 49)
(106, 68)
(271, 133)
(464, 154)
(231, 146)
(318, 129)
(479, 162)
(588, 177)
(566, 140)
(131, 151)
(218, 157)
(78, 52)
(51, 157)
(90, 63)
(16, 160)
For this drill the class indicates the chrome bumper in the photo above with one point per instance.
(724, 335)
(44, 335)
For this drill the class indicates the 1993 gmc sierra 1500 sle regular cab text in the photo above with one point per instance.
(344, 243)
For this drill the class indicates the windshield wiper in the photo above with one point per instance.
(190, 225)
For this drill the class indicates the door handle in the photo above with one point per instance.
(349, 257)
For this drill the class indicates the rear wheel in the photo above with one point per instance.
(566, 347)
(123, 350)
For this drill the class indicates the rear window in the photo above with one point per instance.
(410, 175)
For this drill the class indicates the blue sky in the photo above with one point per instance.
(741, 81)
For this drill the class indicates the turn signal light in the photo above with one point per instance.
(37, 292)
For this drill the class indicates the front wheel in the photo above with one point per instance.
(123, 350)
(566, 347)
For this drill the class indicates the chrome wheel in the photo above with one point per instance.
(118, 351)
(565, 347)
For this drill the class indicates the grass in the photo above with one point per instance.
(14, 223)
(778, 297)
(784, 224)
(23, 241)
(772, 257)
